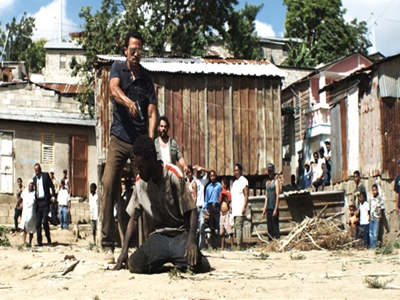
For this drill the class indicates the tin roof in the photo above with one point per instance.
(229, 66)
(62, 88)
(63, 45)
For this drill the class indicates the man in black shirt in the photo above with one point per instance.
(134, 106)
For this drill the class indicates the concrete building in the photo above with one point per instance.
(58, 58)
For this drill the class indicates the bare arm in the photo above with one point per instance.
(246, 199)
(121, 98)
(191, 244)
(397, 203)
(182, 162)
(265, 204)
(122, 261)
(194, 186)
(152, 112)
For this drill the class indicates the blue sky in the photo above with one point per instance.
(270, 20)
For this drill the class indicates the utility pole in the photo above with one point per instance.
(60, 24)
(4, 49)
(373, 34)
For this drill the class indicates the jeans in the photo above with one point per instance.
(17, 214)
(373, 233)
(273, 224)
(201, 227)
(363, 233)
(118, 154)
(160, 249)
(239, 220)
(63, 217)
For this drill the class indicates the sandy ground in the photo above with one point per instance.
(36, 273)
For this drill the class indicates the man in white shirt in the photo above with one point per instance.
(64, 205)
(363, 213)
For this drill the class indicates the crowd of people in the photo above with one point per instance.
(46, 200)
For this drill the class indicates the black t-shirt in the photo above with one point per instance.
(141, 90)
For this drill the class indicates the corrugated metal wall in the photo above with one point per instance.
(217, 120)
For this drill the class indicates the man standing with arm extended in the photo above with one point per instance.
(162, 193)
(44, 194)
(166, 147)
(134, 105)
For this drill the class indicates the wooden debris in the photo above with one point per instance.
(315, 233)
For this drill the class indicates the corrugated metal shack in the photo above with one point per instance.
(365, 117)
(222, 112)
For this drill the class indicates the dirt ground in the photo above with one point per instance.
(36, 273)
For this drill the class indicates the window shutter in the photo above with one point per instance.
(48, 148)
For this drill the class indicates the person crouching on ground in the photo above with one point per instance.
(363, 213)
(225, 214)
(353, 221)
(162, 194)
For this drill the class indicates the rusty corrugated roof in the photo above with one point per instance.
(62, 88)
(231, 66)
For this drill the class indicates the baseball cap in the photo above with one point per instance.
(51, 170)
(327, 141)
(271, 167)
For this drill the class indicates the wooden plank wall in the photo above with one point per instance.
(218, 121)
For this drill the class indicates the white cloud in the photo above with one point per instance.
(5, 5)
(386, 17)
(47, 21)
(264, 29)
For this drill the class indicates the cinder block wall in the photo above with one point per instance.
(80, 211)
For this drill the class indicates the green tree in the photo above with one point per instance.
(35, 56)
(187, 26)
(241, 38)
(325, 33)
(19, 38)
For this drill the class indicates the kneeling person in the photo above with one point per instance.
(162, 194)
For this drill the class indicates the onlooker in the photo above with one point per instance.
(293, 183)
(64, 205)
(327, 157)
(271, 206)
(54, 209)
(134, 113)
(212, 208)
(224, 221)
(122, 215)
(354, 222)
(363, 213)
(315, 168)
(201, 182)
(55, 181)
(167, 148)
(376, 208)
(94, 209)
(67, 181)
(28, 219)
(324, 179)
(307, 175)
(18, 205)
(191, 182)
(45, 194)
(358, 190)
(397, 191)
(162, 194)
(240, 198)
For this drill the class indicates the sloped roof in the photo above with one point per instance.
(62, 88)
(228, 66)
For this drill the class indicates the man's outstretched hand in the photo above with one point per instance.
(122, 262)
(192, 252)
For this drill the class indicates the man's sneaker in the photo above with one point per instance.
(109, 256)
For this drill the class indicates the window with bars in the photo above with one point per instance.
(48, 148)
